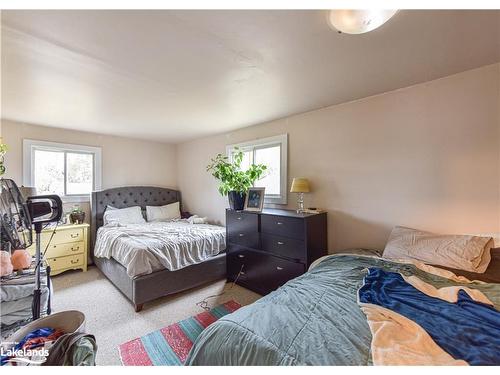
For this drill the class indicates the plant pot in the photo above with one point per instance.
(236, 200)
(77, 217)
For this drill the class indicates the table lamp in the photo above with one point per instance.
(301, 186)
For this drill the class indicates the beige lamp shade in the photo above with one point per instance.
(300, 185)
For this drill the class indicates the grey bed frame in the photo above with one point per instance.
(142, 289)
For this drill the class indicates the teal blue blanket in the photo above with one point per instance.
(312, 320)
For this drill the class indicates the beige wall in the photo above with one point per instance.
(427, 156)
(125, 161)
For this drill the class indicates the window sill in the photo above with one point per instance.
(276, 200)
(75, 198)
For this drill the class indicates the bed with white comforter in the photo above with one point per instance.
(145, 248)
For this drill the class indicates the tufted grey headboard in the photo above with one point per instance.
(127, 196)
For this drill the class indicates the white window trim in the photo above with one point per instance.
(281, 139)
(29, 145)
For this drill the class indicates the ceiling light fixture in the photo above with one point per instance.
(359, 21)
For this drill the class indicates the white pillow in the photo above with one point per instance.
(464, 252)
(195, 219)
(163, 213)
(129, 215)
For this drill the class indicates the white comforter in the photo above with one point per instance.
(145, 248)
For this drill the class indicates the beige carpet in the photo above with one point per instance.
(111, 317)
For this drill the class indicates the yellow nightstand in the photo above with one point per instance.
(68, 248)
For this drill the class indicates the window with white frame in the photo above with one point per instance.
(70, 171)
(273, 152)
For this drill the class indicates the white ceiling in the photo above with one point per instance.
(177, 75)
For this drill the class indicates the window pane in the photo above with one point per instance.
(247, 160)
(271, 157)
(79, 168)
(49, 172)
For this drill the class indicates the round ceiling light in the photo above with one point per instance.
(359, 21)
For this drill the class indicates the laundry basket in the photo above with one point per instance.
(69, 321)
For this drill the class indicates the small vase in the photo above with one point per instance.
(236, 200)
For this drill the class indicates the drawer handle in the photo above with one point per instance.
(280, 243)
(74, 261)
(240, 256)
(241, 234)
(279, 223)
(239, 218)
(279, 268)
(75, 248)
(74, 235)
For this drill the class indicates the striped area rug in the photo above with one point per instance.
(170, 346)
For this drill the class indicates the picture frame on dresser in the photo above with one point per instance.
(254, 200)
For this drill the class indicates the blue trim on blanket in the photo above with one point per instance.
(467, 329)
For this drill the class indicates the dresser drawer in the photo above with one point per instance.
(248, 265)
(290, 227)
(235, 262)
(60, 250)
(278, 271)
(242, 238)
(242, 221)
(284, 246)
(261, 272)
(72, 261)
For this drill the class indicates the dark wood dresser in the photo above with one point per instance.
(272, 246)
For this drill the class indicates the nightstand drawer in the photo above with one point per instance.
(290, 227)
(63, 235)
(240, 221)
(60, 250)
(72, 261)
(284, 246)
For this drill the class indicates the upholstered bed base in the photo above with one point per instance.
(160, 283)
(149, 287)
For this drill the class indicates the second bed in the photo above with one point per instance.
(150, 260)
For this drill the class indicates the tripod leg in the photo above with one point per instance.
(49, 307)
(37, 293)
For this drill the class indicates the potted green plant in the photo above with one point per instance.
(234, 182)
(3, 150)
(77, 215)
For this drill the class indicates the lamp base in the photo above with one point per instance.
(300, 203)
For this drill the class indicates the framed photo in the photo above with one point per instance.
(254, 200)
